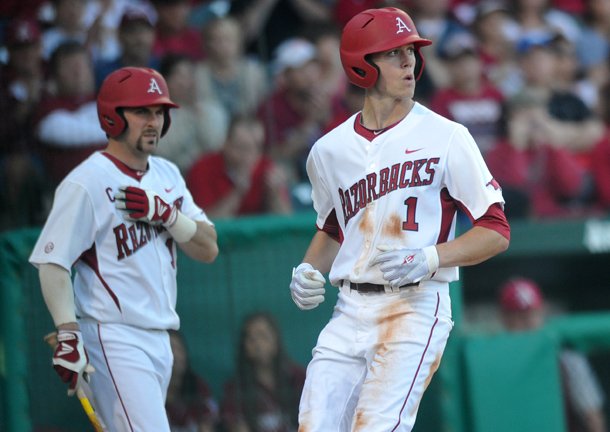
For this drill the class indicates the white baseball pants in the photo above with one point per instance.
(374, 360)
(132, 371)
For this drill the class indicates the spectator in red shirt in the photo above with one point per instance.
(600, 155)
(264, 395)
(173, 33)
(469, 98)
(239, 179)
(539, 177)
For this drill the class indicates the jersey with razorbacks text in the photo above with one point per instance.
(400, 187)
(125, 271)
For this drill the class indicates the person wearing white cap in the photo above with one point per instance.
(297, 110)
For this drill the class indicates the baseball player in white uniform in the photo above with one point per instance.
(116, 219)
(386, 186)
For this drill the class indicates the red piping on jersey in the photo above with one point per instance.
(99, 336)
(127, 170)
(493, 219)
(332, 227)
(449, 207)
(421, 360)
(89, 257)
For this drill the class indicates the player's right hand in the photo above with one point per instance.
(307, 286)
(70, 359)
(145, 206)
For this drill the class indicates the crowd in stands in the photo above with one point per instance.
(529, 78)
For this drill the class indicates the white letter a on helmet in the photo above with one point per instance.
(153, 87)
(401, 26)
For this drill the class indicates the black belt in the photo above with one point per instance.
(371, 287)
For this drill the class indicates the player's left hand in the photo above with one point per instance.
(144, 206)
(405, 266)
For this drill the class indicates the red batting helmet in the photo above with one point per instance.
(373, 31)
(131, 87)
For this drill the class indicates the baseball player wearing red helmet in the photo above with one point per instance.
(116, 218)
(386, 186)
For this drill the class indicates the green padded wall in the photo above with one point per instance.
(513, 382)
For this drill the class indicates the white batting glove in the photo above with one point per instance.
(405, 266)
(70, 359)
(144, 206)
(307, 286)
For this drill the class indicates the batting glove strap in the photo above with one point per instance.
(307, 287)
(145, 206)
(70, 359)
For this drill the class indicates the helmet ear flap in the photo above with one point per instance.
(167, 121)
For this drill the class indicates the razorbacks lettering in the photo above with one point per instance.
(130, 239)
(415, 173)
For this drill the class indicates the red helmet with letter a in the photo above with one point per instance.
(131, 87)
(373, 31)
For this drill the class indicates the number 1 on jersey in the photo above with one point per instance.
(409, 224)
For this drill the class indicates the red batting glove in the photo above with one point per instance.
(144, 206)
(70, 359)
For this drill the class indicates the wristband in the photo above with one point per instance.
(432, 260)
(183, 229)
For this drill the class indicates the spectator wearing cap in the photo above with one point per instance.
(298, 108)
(576, 127)
(136, 35)
(21, 84)
(173, 33)
(237, 82)
(523, 308)
(469, 98)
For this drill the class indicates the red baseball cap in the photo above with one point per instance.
(22, 32)
(520, 294)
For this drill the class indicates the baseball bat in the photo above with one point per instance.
(51, 340)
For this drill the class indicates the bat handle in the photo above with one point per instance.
(84, 401)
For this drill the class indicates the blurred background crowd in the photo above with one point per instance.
(258, 81)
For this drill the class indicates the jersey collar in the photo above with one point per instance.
(133, 173)
(369, 134)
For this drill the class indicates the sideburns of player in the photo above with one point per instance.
(410, 174)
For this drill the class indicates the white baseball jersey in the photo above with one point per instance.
(401, 189)
(125, 271)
